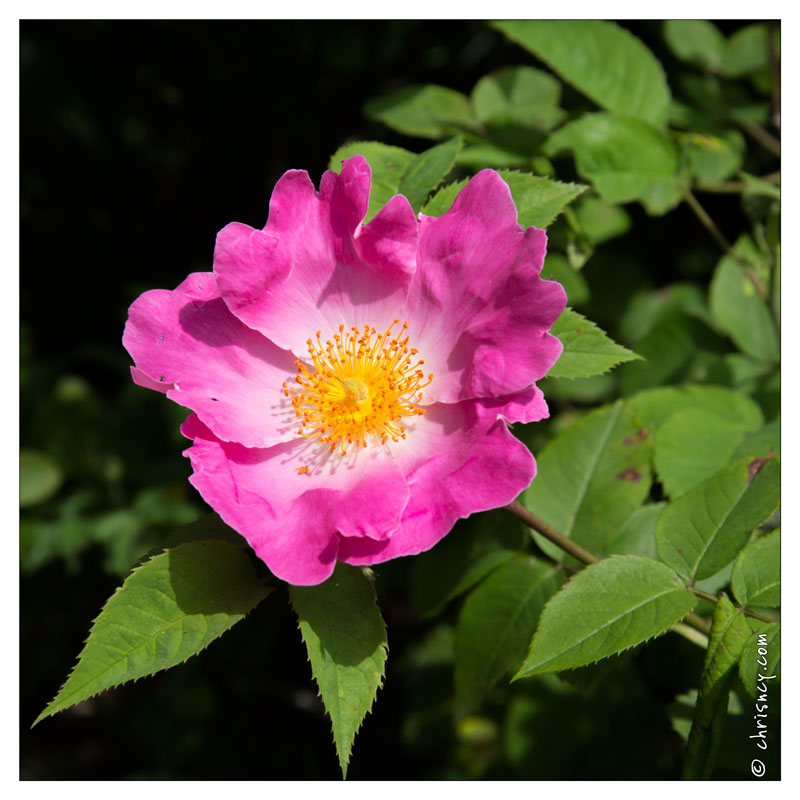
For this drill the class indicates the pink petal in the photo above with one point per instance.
(458, 459)
(479, 312)
(526, 406)
(186, 343)
(319, 275)
(290, 518)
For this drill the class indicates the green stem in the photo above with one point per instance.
(715, 232)
(734, 187)
(763, 137)
(558, 539)
(585, 557)
(746, 611)
(693, 635)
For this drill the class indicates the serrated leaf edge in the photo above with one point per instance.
(48, 713)
(385, 649)
(537, 669)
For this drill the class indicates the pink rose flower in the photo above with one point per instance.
(351, 385)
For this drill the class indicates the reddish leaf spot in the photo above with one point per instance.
(630, 474)
(639, 436)
(754, 467)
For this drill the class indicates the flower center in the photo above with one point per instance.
(360, 387)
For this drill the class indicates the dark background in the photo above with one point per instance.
(139, 141)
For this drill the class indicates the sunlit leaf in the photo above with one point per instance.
(431, 111)
(605, 609)
(425, 172)
(756, 577)
(538, 200)
(729, 634)
(702, 531)
(740, 310)
(587, 350)
(388, 165)
(602, 60)
(696, 41)
(346, 641)
(170, 608)
(591, 478)
(625, 158)
(694, 443)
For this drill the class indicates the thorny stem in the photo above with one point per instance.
(715, 232)
(585, 557)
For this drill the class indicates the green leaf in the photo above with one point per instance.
(601, 60)
(605, 609)
(647, 309)
(762, 443)
(756, 577)
(388, 166)
(518, 96)
(39, 477)
(601, 221)
(626, 159)
(432, 112)
(442, 201)
(697, 41)
(747, 51)
(591, 478)
(755, 665)
(654, 406)
(556, 267)
(496, 624)
(169, 608)
(729, 634)
(346, 641)
(638, 535)
(427, 170)
(694, 443)
(740, 311)
(538, 200)
(703, 530)
(587, 349)
(713, 158)
(667, 351)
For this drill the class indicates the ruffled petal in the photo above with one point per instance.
(291, 518)
(528, 405)
(319, 275)
(187, 344)
(478, 309)
(458, 459)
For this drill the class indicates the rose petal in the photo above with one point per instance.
(291, 518)
(317, 276)
(458, 459)
(479, 312)
(186, 343)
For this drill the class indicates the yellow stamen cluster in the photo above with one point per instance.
(362, 384)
